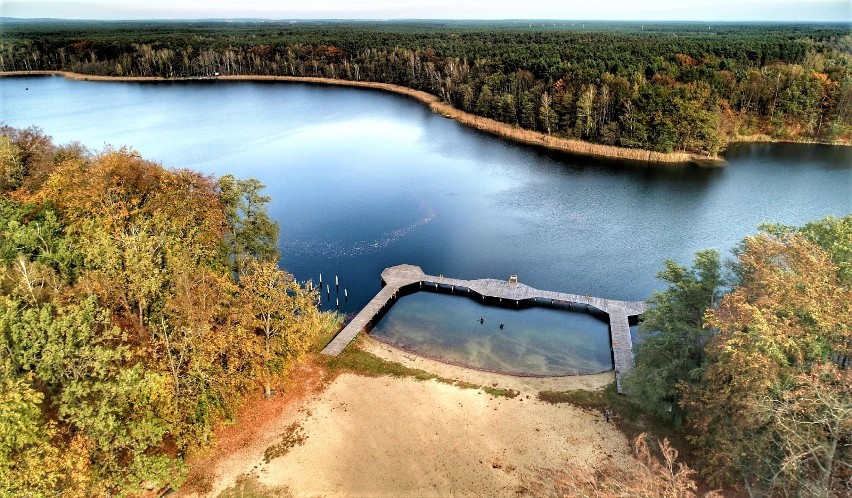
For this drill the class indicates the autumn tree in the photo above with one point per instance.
(124, 334)
(28, 156)
(812, 421)
(29, 460)
(209, 359)
(772, 409)
(282, 312)
(36, 457)
(832, 234)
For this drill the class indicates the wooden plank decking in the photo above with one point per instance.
(397, 277)
(345, 336)
(622, 342)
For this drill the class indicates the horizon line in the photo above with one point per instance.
(426, 19)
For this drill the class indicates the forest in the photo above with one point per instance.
(662, 86)
(139, 307)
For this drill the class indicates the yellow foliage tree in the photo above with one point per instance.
(770, 409)
(283, 313)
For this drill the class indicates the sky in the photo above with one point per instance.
(677, 10)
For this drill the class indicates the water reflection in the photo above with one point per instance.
(534, 341)
(362, 180)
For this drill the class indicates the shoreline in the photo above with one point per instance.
(483, 124)
(521, 383)
(335, 414)
(400, 437)
(487, 125)
(505, 373)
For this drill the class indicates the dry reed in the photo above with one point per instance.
(480, 123)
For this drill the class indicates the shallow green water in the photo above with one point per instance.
(534, 341)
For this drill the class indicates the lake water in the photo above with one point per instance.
(362, 180)
(537, 341)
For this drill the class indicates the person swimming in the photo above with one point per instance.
(501, 325)
(481, 320)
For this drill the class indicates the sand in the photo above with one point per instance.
(388, 437)
(401, 437)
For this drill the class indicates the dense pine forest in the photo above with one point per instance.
(139, 306)
(663, 86)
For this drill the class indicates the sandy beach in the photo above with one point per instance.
(385, 436)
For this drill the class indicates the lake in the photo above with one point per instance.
(362, 180)
(533, 341)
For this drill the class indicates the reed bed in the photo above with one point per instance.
(488, 125)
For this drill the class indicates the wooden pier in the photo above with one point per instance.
(397, 278)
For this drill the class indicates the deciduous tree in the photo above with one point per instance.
(769, 410)
(282, 312)
(673, 335)
(250, 232)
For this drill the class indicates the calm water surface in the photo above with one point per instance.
(538, 341)
(361, 180)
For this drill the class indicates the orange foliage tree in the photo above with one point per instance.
(774, 408)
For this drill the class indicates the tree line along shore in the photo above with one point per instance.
(658, 92)
(488, 125)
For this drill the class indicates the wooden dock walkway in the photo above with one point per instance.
(401, 277)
